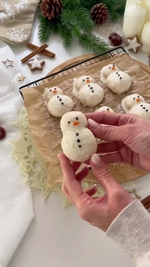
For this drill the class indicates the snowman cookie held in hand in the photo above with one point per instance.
(57, 103)
(78, 142)
(87, 91)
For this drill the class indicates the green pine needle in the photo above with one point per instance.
(75, 22)
(93, 43)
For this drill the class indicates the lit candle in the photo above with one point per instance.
(134, 18)
(145, 38)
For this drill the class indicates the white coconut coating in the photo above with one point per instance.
(81, 81)
(131, 100)
(119, 82)
(142, 110)
(106, 71)
(78, 142)
(104, 109)
(50, 92)
(58, 105)
(90, 94)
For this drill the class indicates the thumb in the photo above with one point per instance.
(107, 132)
(102, 174)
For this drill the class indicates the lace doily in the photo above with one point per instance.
(33, 167)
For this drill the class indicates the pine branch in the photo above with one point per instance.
(93, 43)
(46, 27)
(84, 20)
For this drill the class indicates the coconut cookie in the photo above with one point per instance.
(104, 109)
(106, 71)
(131, 100)
(78, 83)
(119, 82)
(57, 103)
(87, 92)
(142, 110)
(49, 92)
(78, 142)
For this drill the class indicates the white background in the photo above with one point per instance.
(57, 237)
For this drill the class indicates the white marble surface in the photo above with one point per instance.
(57, 237)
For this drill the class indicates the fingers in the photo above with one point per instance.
(75, 165)
(91, 191)
(82, 174)
(107, 133)
(112, 158)
(111, 118)
(102, 174)
(73, 186)
(109, 147)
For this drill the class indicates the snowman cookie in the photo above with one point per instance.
(78, 83)
(87, 92)
(78, 142)
(106, 71)
(104, 109)
(119, 82)
(57, 103)
(142, 110)
(131, 100)
(49, 92)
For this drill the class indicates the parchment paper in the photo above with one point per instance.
(46, 128)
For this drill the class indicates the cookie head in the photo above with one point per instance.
(104, 109)
(73, 121)
(107, 70)
(132, 100)
(50, 92)
(81, 81)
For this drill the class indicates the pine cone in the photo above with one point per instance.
(51, 9)
(99, 13)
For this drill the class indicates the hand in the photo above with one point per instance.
(101, 211)
(128, 136)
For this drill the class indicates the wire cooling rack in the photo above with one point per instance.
(78, 66)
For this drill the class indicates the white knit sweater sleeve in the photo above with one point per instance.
(131, 230)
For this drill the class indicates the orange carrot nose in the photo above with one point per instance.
(88, 81)
(75, 123)
(138, 100)
(113, 67)
(54, 91)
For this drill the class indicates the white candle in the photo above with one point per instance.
(131, 2)
(134, 17)
(147, 5)
(145, 38)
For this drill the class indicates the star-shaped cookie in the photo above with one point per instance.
(8, 63)
(21, 78)
(36, 64)
(133, 44)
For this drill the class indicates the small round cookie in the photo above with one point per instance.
(50, 92)
(142, 110)
(90, 94)
(119, 82)
(58, 105)
(131, 100)
(106, 71)
(104, 109)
